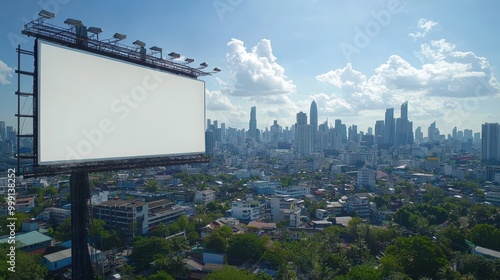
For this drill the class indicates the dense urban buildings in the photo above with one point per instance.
(282, 183)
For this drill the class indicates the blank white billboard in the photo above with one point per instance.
(95, 108)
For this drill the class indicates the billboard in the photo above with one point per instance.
(96, 108)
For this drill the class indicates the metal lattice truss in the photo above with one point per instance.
(110, 47)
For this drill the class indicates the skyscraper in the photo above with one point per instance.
(303, 135)
(10, 133)
(276, 132)
(2, 131)
(313, 112)
(379, 132)
(490, 142)
(433, 132)
(341, 130)
(209, 141)
(353, 133)
(389, 127)
(419, 135)
(404, 128)
(252, 129)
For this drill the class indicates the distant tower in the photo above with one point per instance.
(252, 129)
(303, 135)
(404, 128)
(353, 133)
(490, 142)
(419, 135)
(276, 132)
(2, 131)
(314, 122)
(433, 132)
(389, 126)
(379, 132)
(209, 142)
(341, 130)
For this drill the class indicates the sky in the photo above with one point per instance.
(353, 58)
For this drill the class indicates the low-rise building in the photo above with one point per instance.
(248, 210)
(280, 203)
(25, 204)
(122, 214)
(30, 241)
(163, 211)
(265, 187)
(492, 197)
(366, 179)
(54, 215)
(62, 259)
(293, 191)
(360, 204)
(204, 196)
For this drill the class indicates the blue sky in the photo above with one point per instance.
(354, 58)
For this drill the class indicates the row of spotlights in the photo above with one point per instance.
(97, 30)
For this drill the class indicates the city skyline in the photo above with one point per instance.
(353, 59)
(402, 131)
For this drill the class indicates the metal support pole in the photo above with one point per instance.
(81, 267)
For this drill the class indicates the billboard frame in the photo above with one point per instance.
(73, 39)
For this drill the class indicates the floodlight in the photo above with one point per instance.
(139, 43)
(73, 22)
(203, 65)
(216, 69)
(188, 60)
(95, 30)
(174, 55)
(120, 36)
(156, 49)
(46, 14)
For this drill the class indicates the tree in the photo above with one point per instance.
(263, 276)
(26, 266)
(175, 265)
(478, 266)
(20, 217)
(230, 273)
(160, 275)
(178, 244)
(417, 255)
(63, 230)
(152, 186)
(485, 235)
(246, 246)
(50, 191)
(365, 272)
(98, 233)
(147, 249)
(452, 239)
(216, 242)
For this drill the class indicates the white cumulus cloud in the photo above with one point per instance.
(256, 73)
(216, 101)
(444, 75)
(424, 26)
(5, 73)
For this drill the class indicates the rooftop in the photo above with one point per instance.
(122, 203)
(28, 238)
